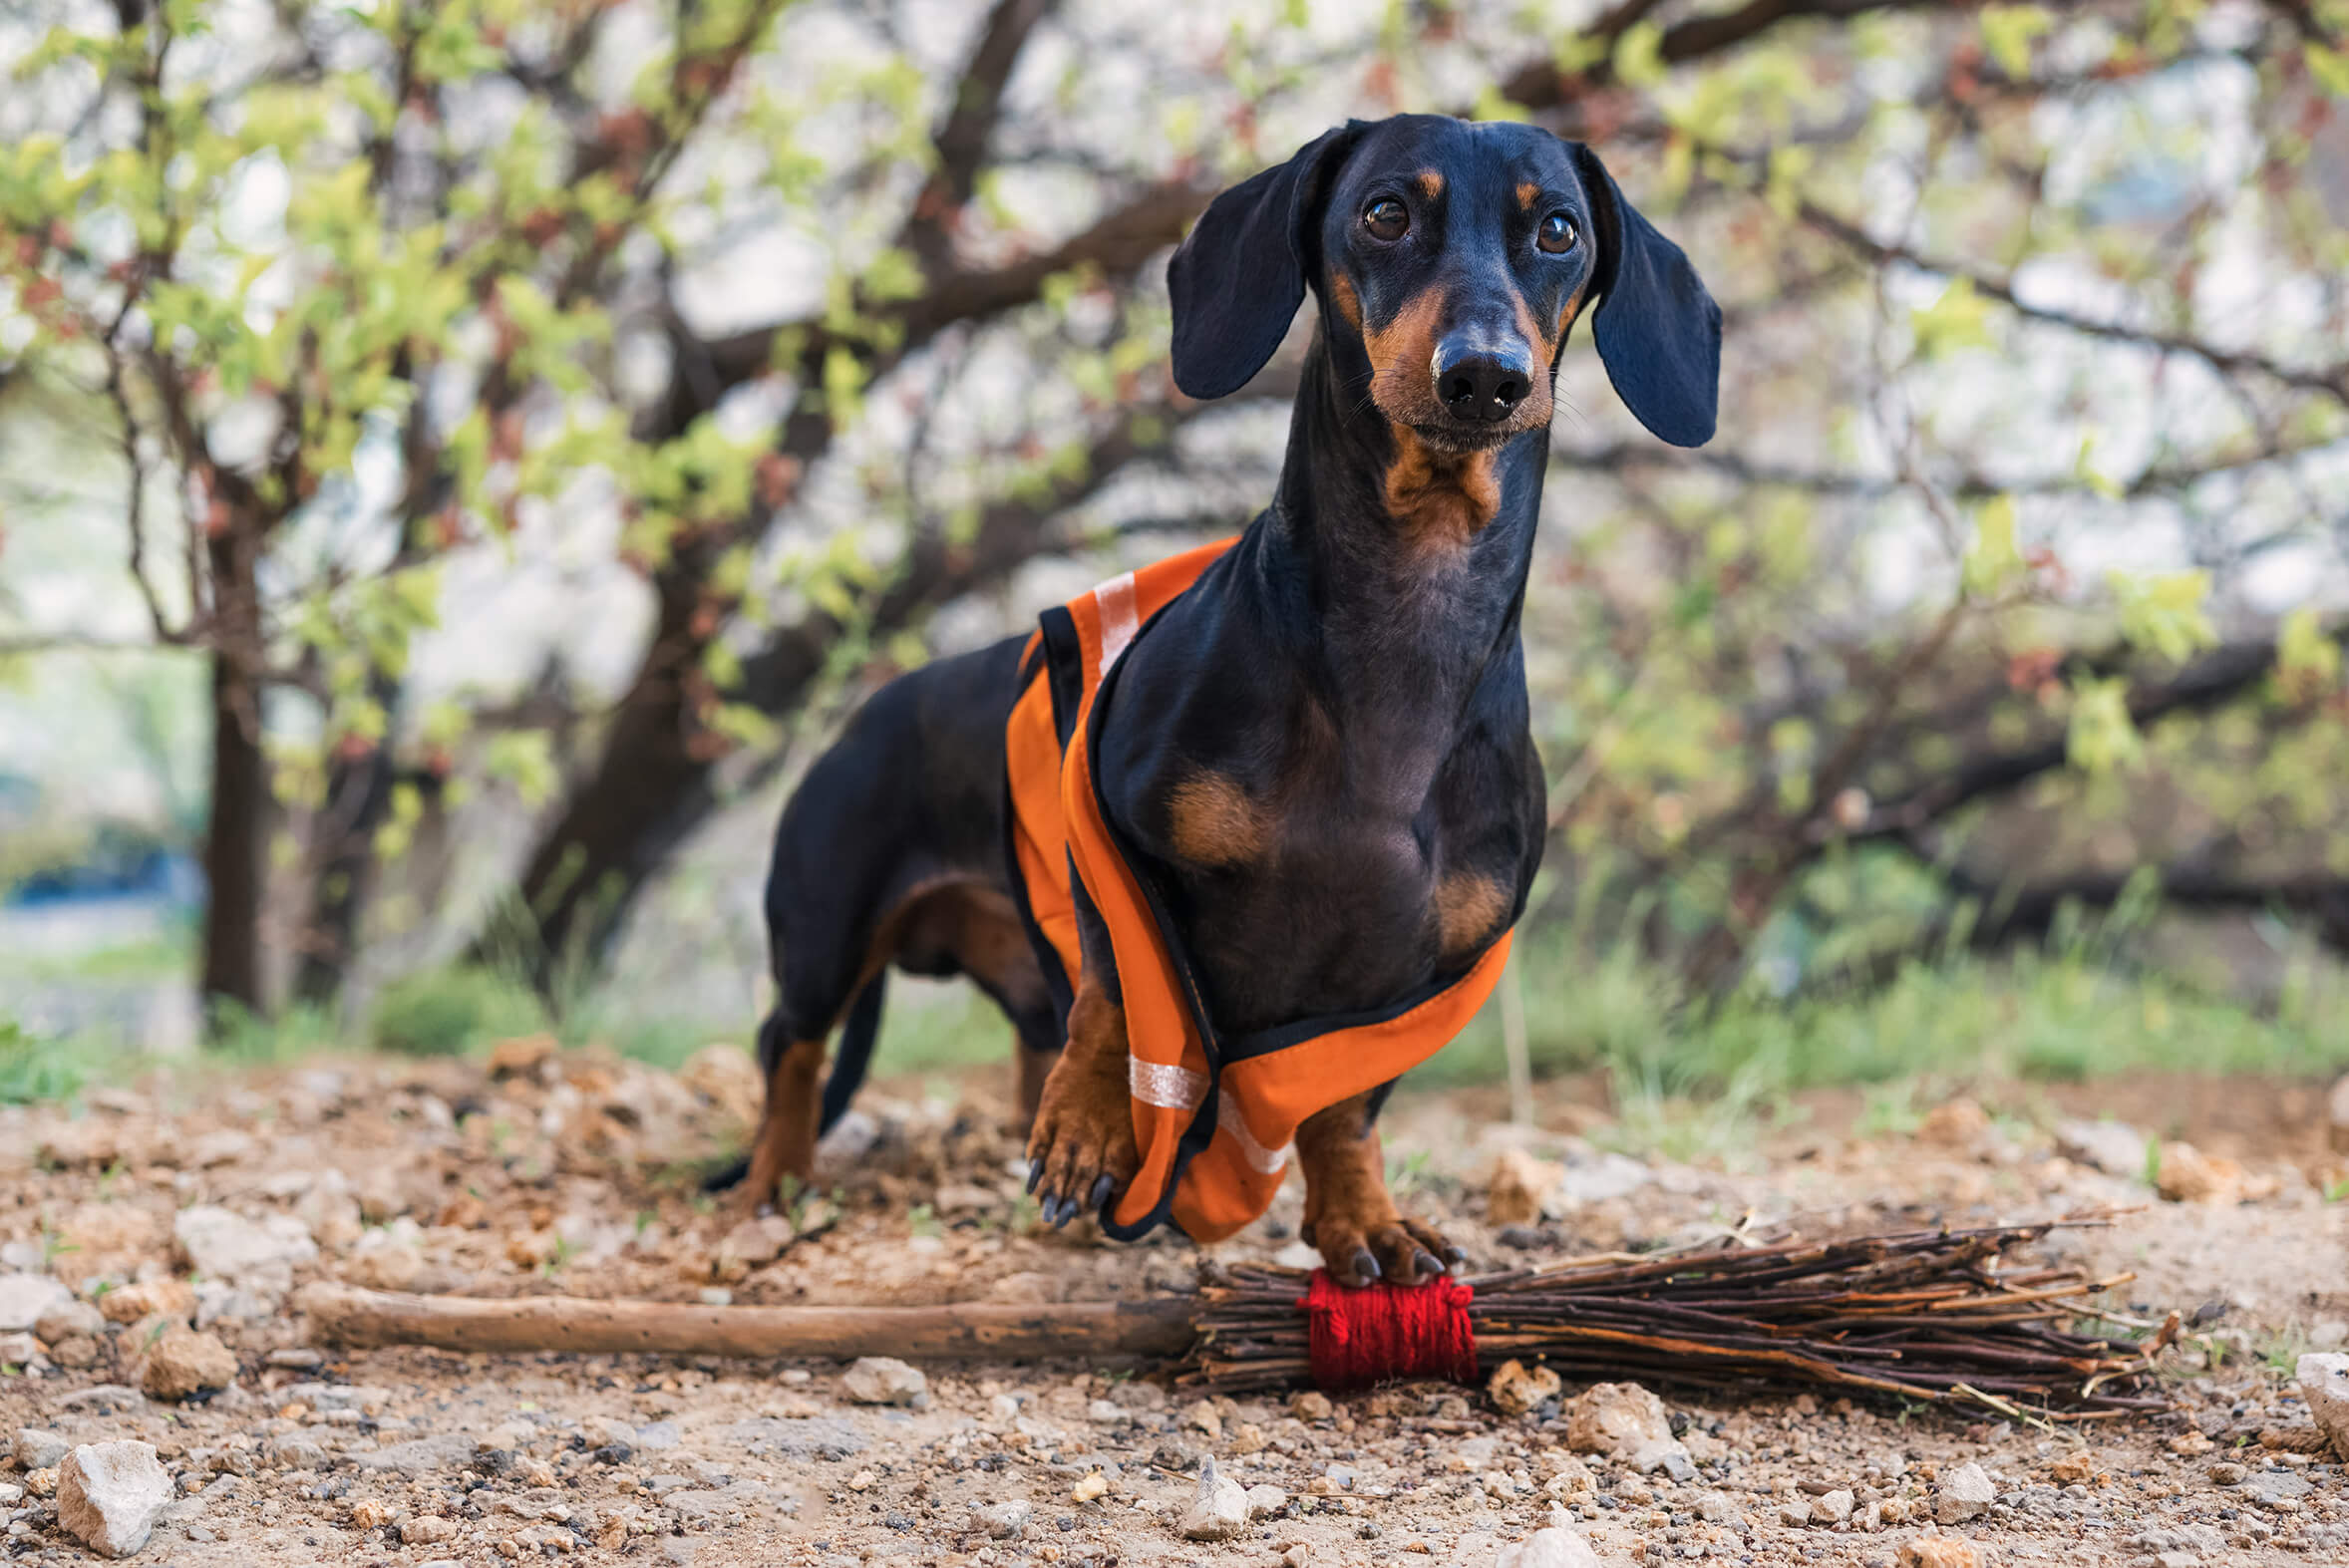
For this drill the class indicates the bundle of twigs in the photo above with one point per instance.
(1923, 1314)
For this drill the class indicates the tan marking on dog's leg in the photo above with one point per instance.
(1084, 1119)
(787, 1127)
(1350, 1217)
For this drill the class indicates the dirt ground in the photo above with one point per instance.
(198, 1206)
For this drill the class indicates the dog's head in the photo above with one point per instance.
(1453, 257)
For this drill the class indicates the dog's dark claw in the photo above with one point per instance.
(1065, 1209)
(1035, 1173)
(1428, 1263)
(1366, 1267)
(1101, 1191)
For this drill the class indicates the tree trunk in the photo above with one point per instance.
(358, 794)
(237, 834)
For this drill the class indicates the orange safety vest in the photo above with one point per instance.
(1214, 1115)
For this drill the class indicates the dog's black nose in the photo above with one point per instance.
(1481, 384)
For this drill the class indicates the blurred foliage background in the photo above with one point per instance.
(458, 461)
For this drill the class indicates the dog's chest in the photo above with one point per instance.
(1309, 897)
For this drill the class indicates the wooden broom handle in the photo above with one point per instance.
(965, 1331)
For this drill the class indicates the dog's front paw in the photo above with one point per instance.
(1082, 1153)
(1365, 1249)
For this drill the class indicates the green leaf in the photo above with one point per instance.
(2164, 613)
(2330, 67)
(1639, 55)
(1960, 319)
(2008, 32)
(1994, 563)
(2306, 657)
(2103, 736)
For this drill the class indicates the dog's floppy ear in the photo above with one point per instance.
(1658, 331)
(1238, 276)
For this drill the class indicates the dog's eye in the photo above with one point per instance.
(1556, 234)
(1386, 219)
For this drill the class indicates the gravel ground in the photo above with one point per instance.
(153, 1247)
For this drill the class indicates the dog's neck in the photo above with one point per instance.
(1411, 563)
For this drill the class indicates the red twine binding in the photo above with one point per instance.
(1389, 1333)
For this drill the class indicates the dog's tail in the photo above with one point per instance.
(858, 1033)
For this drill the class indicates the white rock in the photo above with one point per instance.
(1833, 1507)
(110, 1495)
(70, 1317)
(1594, 1180)
(2112, 1148)
(37, 1448)
(1963, 1493)
(2324, 1383)
(1219, 1511)
(1555, 1547)
(25, 1297)
(884, 1379)
(227, 1246)
(1004, 1520)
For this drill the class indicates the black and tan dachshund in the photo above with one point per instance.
(1321, 753)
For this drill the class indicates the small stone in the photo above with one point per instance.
(38, 1448)
(1219, 1511)
(753, 1243)
(884, 1379)
(183, 1363)
(369, 1514)
(1296, 1556)
(1955, 1124)
(1203, 1417)
(1555, 1547)
(69, 1319)
(1264, 1502)
(1569, 1478)
(167, 1298)
(75, 1349)
(2227, 1473)
(1514, 1391)
(1005, 1521)
(2077, 1466)
(40, 1483)
(1963, 1493)
(1091, 1486)
(2324, 1385)
(2109, 1146)
(1519, 1183)
(25, 1297)
(1716, 1508)
(426, 1529)
(1833, 1507)
(1622, 1421)
(298, 1357)
(1311, 1405)
(1797, 1511)
(110, 1496)
(2188, 1176)
(1943, 1551)
(521, 1055)
(260, 1255)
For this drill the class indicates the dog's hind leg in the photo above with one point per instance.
(786, 1141)
(855, 1058)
